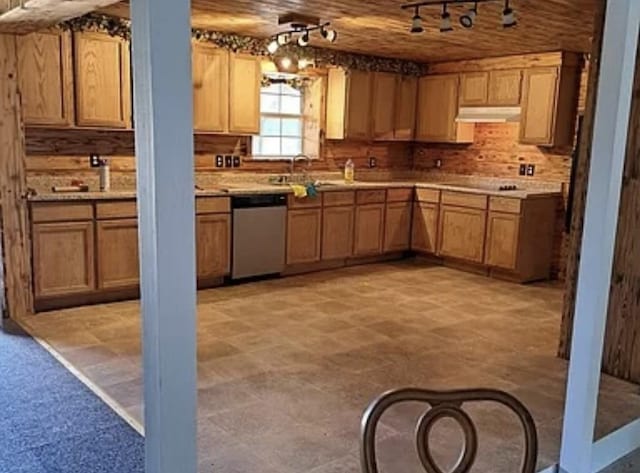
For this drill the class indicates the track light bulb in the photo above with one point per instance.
(468, 19)
(273, 46)
(303, 39)
(445, 22)
(329, 34)
(283, 38)
(508, 16)
(416, 23)
(285, 62)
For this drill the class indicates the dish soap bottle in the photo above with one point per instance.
(349, 172)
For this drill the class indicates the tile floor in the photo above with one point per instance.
(286, 366)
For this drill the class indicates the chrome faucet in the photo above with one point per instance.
(300, 157)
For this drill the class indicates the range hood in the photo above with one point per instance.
(488, 114)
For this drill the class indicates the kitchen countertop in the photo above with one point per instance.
(325, 186)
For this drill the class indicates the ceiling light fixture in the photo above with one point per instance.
(283, 38)
(416, 22)
(508, 16)
(329, 34)
(303, 39)
(467, 18)
(301, 27)
(445, 20)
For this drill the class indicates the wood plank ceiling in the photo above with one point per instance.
(380, 27)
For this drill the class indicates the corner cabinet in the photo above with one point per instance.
(45, 71)
(244, 94)
(210, 88)
(438, 109)
(103, 80)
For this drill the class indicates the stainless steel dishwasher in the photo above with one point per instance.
(259, 235)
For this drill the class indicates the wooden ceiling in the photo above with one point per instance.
(381, 28)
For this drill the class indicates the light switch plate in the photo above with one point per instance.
(523, 170)
(236, 161)
(373, 162)
(219, 161)
(228, 161)
(531, 169)
(94, 160)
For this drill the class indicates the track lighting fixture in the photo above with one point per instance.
(301, 27)
(467, 19)
(283, 38)
(416, 22)
(329, 34)
(303, 39)
(445, 20)
(508, 16)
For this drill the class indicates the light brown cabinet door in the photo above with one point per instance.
(397, 227)
(424, 229)
(358, 111)
(102, 79)
(540, 93)
(474, 88)
(405, 111)
(369, 230)
(504, 87)
(383, 106)
(210, 88)
(45, 71)
(303, 235)
(244, 94)
(213, 235)
(462, 233)
(63, 258)
(503, 233)
(337, 232)
(437, 111)
(118, 264)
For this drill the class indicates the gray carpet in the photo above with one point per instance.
(50, 422)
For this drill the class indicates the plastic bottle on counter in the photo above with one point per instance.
(349, 171)
(105, 176)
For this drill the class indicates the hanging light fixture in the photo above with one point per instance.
(416, 23)
(469, 18)
(508, 16)
(445, 20)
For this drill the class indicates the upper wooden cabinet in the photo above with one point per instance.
(549, 106)
(45, 71)
(103, 80)
(474, 88)
(383, 105)
(349, 96)
(405, 111)
(244, 94)
(505, 87)
(437, 111)
(210, 88)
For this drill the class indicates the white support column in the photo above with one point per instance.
(161, 35)
(603, 200)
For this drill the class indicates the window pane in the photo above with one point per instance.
(272, 89)
(269, 103)
(291, 127)
(291, 146)
(291, 104)
(270, 126)
(270, 146)
(287, 89)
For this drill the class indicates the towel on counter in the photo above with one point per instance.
(298, 190)
(311, 190)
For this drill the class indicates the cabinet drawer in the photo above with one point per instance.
(304, 202)
(106, 210)
(504, 204)
(400, 195)
(209, 205)
(428, 195)
(462, 199)
(332, 199)
(377, 196)
(61, 212)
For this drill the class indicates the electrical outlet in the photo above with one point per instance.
(94, 160)
(438, 163)
(219, 161)
(523, 170)
(228, 161)
(236, 161)
(531, 169)
(373, 162)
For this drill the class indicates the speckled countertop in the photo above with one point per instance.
(477, 187)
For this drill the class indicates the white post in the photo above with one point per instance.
(161, 35)
(603, 199)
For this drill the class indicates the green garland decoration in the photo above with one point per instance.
(321, 57)
(298, 83)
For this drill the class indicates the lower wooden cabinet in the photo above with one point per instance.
(304, 229)
(397, 227)
(424, 229)
(369, 230)
(337, 232)
(461, 233)
(63, 258)
(503, 231)
(117, 244)
(213, 235)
